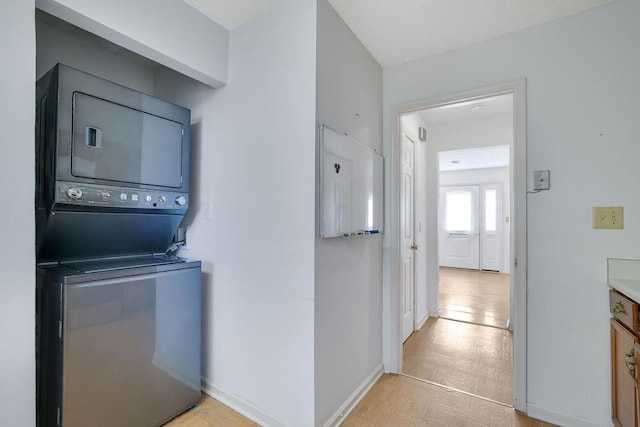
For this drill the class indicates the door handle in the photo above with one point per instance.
(630, 361)
(619, 308)
(414, 247)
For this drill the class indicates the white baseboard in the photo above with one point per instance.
(560, 419)
(341, 414)
(420, 322)
(433, 313)
(242, 406)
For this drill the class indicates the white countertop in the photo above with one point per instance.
(623, 275)
(628, 287)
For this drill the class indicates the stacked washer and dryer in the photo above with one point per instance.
(118, 317)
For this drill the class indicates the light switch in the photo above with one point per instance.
(611, 217)
(541, 180)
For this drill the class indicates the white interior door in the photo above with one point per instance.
(491, 228)
(408, 242)
(459, 227)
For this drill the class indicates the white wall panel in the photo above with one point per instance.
(17, 253)
(348, 271)
(254, 162)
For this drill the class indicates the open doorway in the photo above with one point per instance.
(494, 209)
(473, 222)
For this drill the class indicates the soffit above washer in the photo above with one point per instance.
(396, 32)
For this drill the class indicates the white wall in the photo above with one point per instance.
(17, 254)
(488, 176)
(255, 145)
(169, 32)
(582, 124)
(348, 271)
(58, 41)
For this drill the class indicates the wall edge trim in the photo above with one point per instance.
(244, 407)
(558, 418)
(345, 409)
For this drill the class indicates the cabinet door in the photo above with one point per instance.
(637, 349)
(623, 376)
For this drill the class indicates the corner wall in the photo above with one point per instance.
(348, 271)
(17, 253)
(582, 118)
(252, 222)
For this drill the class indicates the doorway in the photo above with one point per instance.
(473, 223)
(516, 227)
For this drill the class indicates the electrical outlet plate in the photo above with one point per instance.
(608, 217)
(541, 180)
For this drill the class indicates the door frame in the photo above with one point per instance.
(392, 336)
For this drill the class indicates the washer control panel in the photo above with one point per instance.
(120, 197)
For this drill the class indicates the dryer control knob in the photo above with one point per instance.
(74, 193)
(181, 200)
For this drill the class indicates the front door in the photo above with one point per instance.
(470, 230)
(459, 227)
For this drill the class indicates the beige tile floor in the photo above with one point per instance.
(471, 362)
(472, 358)
(474, 296)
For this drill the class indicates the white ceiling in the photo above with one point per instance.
(474, 158)
(469, 110)
(398, 31)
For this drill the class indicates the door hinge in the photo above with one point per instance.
(515, 262)
(60, 329)
(58, 417)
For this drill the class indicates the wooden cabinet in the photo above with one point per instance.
(624, 351)
(625, 310)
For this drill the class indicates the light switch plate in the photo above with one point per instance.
(541, 180)
(609, 217)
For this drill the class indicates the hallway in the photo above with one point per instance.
(467, 348)
(457, 370)
(471, 358)
(474, 296)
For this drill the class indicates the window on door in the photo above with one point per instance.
(459, 213)
(490, 210)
